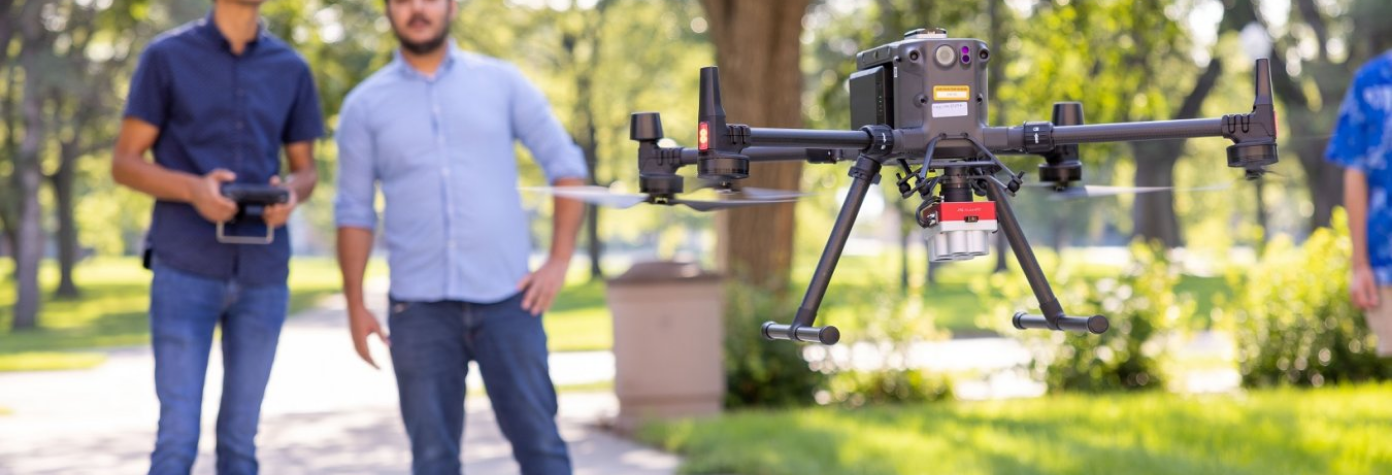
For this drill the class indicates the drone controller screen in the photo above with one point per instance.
(251, 201)
(920, 105)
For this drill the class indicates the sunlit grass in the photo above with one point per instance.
(1327, 431)
(112, 311)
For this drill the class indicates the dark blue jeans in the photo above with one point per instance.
(184, 309)
(431, 346)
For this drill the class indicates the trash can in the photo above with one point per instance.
(668, 342)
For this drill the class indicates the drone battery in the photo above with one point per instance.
(872, 98)
(961, 230)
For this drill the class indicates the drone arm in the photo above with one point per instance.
(690, 156)
(866, 172)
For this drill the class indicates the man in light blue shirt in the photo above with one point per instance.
(435, 128)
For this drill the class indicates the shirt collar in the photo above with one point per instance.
(453, 57)
(208, 29)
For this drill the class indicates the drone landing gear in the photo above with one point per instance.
(864, 173)
(957, 188)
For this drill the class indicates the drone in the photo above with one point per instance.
(920, 104)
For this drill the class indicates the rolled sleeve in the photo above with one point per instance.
(354, 205)
(148, 99)
(1349, 145)
(536, 126)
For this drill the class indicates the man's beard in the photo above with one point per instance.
(424, 47)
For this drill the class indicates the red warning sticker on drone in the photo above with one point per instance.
(969, 212)
(951, 93)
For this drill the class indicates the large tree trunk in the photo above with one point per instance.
(758, 52)
(1154, 213)
(26, 175)
(26, 180)
(1155, 160)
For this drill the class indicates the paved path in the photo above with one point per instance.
(325, 412)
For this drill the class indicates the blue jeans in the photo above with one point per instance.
(184, 309)
(432, 344)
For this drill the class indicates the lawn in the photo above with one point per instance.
(112, 312)
(112, 309)
(1327, 431)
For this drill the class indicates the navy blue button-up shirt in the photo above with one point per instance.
(216, 109)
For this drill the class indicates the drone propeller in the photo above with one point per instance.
(602, 196)
(726, 187)
(1074, 192)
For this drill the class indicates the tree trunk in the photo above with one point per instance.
(27, 174)
(758, 52)
(1155, 160)
(996, 74)
(1325, 179)
(68, 247)
(1154, 213)
(26, 179)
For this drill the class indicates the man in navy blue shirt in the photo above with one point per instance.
(216, 101)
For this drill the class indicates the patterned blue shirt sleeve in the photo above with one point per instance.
(354, 205)
(536, 126)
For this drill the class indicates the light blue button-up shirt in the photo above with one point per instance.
(442, 150)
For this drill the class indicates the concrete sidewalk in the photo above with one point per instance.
(325, 412)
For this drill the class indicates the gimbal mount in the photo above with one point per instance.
(922, 102)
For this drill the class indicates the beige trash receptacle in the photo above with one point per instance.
(668, 342)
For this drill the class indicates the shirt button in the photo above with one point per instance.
(239, 125)
(444, 171)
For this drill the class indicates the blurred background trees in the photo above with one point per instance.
(784, 64)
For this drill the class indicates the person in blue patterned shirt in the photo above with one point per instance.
(1362, 145)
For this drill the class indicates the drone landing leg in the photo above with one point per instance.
(1053, 317)
(864, 173)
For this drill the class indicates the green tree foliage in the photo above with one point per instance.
(1293, 320)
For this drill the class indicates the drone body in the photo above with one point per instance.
(920, 104)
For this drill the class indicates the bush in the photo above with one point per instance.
(1141, 305)
(893, 386)
(759, 372)
(878, 370)
(1293, 319)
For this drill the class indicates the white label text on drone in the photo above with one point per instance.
(950, 109)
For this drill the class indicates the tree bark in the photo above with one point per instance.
(1154, 213)
(758, 52)
(62, 181)
(27, 175)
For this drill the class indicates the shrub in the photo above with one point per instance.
(1293, 319)
(1142, 307)
(759, 372)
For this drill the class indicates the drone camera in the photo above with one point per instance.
(958, 230)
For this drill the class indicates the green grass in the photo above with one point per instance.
(112, 311)
(579, 320)
(1326, 431)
